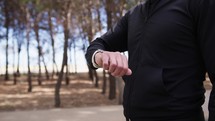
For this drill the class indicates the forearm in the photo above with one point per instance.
(115, 62)
(112, 41)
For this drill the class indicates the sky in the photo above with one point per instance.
(44, 36)
(80, 59)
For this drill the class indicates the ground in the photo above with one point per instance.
(81, 92)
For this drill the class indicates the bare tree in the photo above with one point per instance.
(51, 32)
(28, 30)
(19, 43)
(38, 16)
(66, 12)
(6, 24)
(37, 19)
(88, 27)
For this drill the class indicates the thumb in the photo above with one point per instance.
(129, 72)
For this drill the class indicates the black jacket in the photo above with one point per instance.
(171, 45)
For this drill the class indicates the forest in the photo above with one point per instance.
(35, 26)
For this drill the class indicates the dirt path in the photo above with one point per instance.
(80, 93)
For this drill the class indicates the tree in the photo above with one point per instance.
(6, 25)
(89, 25)
(19, 40)
(37, 16)
(28, 30)
(66, 14)
(51, 32)
(37, 19)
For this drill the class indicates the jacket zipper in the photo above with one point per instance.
(133, 78)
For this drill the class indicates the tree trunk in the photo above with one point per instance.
(104, 86)
(75, 63)
(28, 29)
(29, 69)
(90, 73)
(18, 62)
(67, 67)
(65, 58)
(58, 85)
(14, 78)
(70, 59)
(112, 87)
(120, 84)
(60, 78)
(53, 44)
(17, 73)
(6, 24)
(14, 72)
(36, 30)
(46, 70)
(6, 71)
(67, 75)
(96, 78)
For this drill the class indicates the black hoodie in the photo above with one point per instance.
(171, 45)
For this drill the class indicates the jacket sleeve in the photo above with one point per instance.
(206, 37)
(115, 39)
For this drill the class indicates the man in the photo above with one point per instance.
(171, 45)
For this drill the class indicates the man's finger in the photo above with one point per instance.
(124, 66)
(112, 64)
(120, 69)
(129, 72)
(105, 61)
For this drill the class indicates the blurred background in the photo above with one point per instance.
(42, 47)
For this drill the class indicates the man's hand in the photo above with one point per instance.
(114, 62)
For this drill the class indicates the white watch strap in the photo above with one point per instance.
(93, 58)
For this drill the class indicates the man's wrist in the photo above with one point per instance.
(94, 59)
